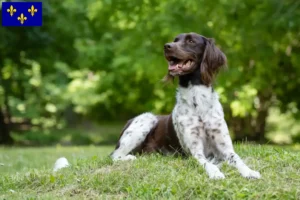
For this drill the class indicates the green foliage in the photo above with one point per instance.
(244, 102)
(104, 59)
(283, 128)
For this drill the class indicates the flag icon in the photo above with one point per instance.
(22, 14)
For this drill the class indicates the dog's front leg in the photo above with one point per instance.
(212, 170)
(191, 136)
(220, 134)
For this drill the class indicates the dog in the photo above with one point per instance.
(196, 125)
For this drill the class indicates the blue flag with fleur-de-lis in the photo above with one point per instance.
(22, 14)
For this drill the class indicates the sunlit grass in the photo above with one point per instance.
(27, 174)
(19, 160)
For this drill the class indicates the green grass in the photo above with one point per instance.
(27, 174)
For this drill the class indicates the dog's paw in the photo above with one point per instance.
(129, 157)
(251, 174)
(124, 158)
(214, 172)
(217, 176)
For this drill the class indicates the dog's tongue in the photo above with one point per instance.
(172, 67)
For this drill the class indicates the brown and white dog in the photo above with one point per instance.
(196, 125)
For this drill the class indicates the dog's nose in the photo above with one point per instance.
(167, 46)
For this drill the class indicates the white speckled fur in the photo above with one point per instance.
(202, 131)
(199, 122)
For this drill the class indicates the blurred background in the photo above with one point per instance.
(95, 64)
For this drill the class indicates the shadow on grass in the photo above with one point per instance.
(105, 134)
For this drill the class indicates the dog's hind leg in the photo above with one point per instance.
(133, 136)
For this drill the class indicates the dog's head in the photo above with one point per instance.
(189, 52)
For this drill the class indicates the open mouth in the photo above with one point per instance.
(179, 66)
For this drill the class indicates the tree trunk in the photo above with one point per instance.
(250, 128)
(260, 121)
(260, 128)
(5, 137)
(242, 128)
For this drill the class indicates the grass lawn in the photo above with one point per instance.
(26, 173)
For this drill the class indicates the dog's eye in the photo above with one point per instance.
(191, 41)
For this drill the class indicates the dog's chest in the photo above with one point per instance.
(194, 107)
(195, 101)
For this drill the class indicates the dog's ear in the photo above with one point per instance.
(168, 78)
(213, 59)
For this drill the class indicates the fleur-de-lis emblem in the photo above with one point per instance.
(32, 10)
(22, 18)
(11, 10)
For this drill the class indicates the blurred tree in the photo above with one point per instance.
(104, 60)
(31, 74)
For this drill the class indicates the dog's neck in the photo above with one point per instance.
(193, 78)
